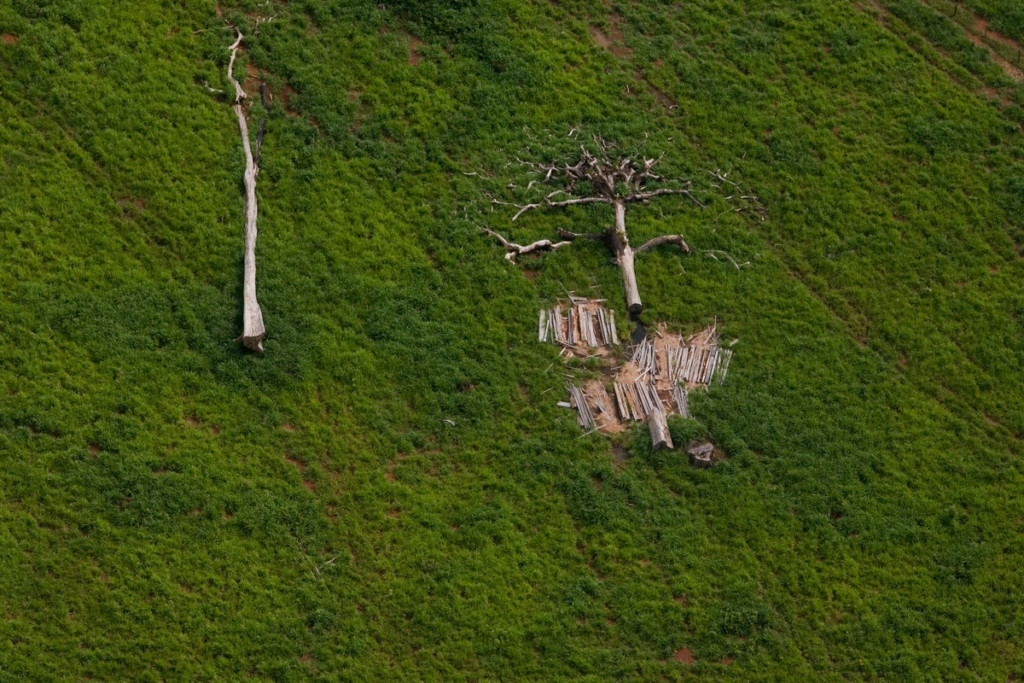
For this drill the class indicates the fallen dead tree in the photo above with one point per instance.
(619, 182)
(253, 330)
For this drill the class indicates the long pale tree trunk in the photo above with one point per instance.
(624, 257)
(253, 330)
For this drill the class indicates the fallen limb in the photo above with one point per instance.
(253, 330)
(514, 249)
(665, 239)
(569, 235)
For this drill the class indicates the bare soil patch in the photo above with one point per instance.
(253, 78)
(9, 39)
(414, 45)
(981, 25)
(614, 40)
(684, 656)
(299, 465)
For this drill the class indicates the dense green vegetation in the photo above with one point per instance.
(172, 507)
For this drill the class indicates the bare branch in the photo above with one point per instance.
(239, 93)
(582, 235)
(579, 200)
(664, 239)
(524, 209)
(514, 249)
(644, 196)
(712, 252)
(722, 176)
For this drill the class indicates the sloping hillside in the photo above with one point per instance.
(175, 507)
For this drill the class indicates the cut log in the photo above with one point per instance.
(542, 329)
(658, 425)
(253, 330)
(615, 333)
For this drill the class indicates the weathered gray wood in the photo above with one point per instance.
(701, 454)
(682, 401)
(726, 357)
(542, 326)
(658, 425)
(615, 333)
(712, 364)
(634, 401)
(253, 330)
(652, 393)
(624, 256)
(620, 401)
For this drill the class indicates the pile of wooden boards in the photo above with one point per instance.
(586, 417)
(645, 358)
(585, 322)
(697, 365)
(648, 387)
(636, 400)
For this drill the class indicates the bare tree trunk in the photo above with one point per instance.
(624, 256)
(253, 330)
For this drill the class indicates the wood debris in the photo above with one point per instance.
(656, 381)
(582, 325)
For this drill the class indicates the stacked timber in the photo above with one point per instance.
(636, 400)
(693, 364)
(645, 358)
(682, 398)
(585, 322)
(579, 401)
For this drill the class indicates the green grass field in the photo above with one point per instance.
(175, 508)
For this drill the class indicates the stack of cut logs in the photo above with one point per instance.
(636, 400)
(584, 322)
(648, 390)
(697, 365)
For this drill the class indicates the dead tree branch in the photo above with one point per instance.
(514, 249)
(664, 239)
(583, 235)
